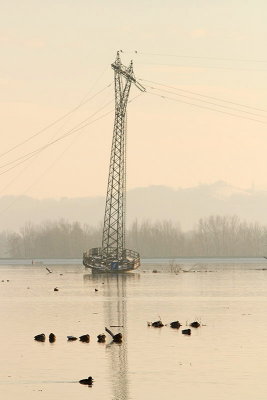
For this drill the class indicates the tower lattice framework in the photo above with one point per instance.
(113, 239)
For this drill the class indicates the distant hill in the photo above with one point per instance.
(184, 205)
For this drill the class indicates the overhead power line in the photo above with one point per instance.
(66, 134)
(54, 162)
(201, 66)
(42, 148)
(83, 124)
(195, 57)
(54, 122)
(206, 96)
(207, 108)
(208, 102)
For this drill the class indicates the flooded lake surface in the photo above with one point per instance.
(226, 358)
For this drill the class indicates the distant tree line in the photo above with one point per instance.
(213, 236)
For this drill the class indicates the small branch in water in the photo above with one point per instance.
(116, 338)
(116, 326)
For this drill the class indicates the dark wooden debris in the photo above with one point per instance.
(175, 324)
(195, 324)
(71, 338)
(157, 324)
(186, 331)
(117, 338)
(101, 338)
(52, 338)
(40, 337)
(85, 338)
(56, 289)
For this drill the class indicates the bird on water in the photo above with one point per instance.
(88, 381)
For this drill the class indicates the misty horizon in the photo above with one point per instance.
(213, 236)
(156, 203)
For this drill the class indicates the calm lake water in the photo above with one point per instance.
(226, 358)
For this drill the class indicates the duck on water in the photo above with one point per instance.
(88, 381)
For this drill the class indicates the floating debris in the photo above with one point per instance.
(52, 338)
(56, 289)
(88, 381)
(195, 324)
(40, 337)
(96, 290)
(116, 326)
(117, 338)
(154, 271)
(49, 270)
(72, 338)
(85, 338)
(101, 338)
(186, 331)
(157, 324)
(175, 324)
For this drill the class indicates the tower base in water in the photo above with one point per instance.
(98, 262)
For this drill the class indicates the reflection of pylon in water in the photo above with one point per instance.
(115, 316)
(113, 256)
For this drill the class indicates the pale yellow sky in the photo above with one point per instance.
(56, 54)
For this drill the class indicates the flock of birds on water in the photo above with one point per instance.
(101, 338)
(175, 325)
(117, 338)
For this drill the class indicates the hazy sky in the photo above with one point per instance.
(56, 54)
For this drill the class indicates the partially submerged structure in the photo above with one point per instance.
(113, 256)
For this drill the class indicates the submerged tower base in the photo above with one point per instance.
(95, 259)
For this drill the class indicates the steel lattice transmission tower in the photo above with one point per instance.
(113, 255)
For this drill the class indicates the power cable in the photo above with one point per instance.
(207, 108)
(202, 95)
(203, 67)
(195, 57)
(93, 85)
(54, 122)
(39, 149)
(32, 154)
(64, 151)
(208, 102)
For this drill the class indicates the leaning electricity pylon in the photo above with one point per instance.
(113, 256)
